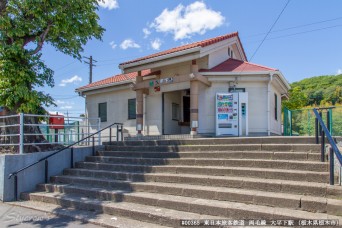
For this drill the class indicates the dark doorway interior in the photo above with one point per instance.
(186, 109)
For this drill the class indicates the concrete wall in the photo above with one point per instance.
(182, 68)
(206, 107)
(28, 179)
(257, 106)
(117, 107)
(153, 114)
(218, 57)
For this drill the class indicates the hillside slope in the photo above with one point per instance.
(319, 90)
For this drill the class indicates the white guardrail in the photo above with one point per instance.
(18, 131)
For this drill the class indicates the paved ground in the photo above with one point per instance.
(14, 216)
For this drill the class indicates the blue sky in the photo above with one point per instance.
(305, 42)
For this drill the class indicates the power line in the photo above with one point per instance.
(115, 59)
(299, 26)
(308, 31)
(300, 33)
(73, 70)
(270, 30)
(62, 67)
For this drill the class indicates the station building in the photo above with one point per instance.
(183, 90)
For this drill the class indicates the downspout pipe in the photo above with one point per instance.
(269, 105)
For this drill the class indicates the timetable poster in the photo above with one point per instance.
(227, 114)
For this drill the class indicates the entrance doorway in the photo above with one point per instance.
(176, 112)
(186, 109)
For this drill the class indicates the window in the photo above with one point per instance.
(237, 90)
(103, 111)
(175, 111)
(275, 107)
(132, 109)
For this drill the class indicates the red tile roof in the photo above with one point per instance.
(235, 65)
(118, 78)
(203, 43)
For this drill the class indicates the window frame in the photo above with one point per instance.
(102, 113)
(130, 115)
(275, 106)
(175, 110)
(237, 90)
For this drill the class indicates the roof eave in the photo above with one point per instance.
(235, 73)
(103, 86)
(268, 72)
(283, 79)
(159, 58)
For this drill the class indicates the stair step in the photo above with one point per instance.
(184, 207)
(109, 180)
(137, 192)
(261, 163)
(92, 217)
(228, 147)
(154, 183)
(213, 141)
(312, 156)
(268, 173)
(151, 214)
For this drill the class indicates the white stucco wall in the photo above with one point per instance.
(257, 106)
(117, 107)
(153, 114)
(206, 107)
(218, 57)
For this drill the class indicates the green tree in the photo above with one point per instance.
(297, 100)
(25, 26)
(321, 90)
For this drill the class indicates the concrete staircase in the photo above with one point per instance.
(158, 183)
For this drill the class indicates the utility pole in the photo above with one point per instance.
(91, 65)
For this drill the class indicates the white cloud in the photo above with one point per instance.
(110, 4)
(55, 113)
(66, 107)
(64, 104)
(339, 71)
(183, 22)
(155, 44)
(73, 79)
(129, 43)
(146, 32)
(113, 44)
(60, 102)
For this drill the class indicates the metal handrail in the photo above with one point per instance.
(15, 174)
(333, 149)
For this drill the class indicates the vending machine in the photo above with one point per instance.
(231, 114)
